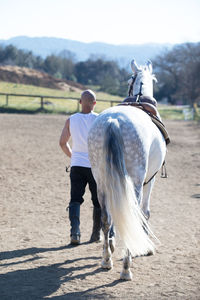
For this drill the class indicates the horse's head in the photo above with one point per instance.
(141, 82)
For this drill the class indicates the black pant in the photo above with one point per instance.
(80, 177)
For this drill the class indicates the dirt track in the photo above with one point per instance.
(36, 260)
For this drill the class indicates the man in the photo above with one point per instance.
(77, 126)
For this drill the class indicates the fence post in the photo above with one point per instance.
(41, 102)
(7, 100)
(196, 112)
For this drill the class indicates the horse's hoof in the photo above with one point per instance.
(149, 253)
(112, 244)
(107, 264)
(126, 275)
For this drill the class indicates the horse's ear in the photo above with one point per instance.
(134, 66)
(150, 66)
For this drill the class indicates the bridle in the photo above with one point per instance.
(140, 92)
(130, 91)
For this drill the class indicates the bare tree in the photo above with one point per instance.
(178, 72)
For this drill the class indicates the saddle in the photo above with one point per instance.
(148, 105)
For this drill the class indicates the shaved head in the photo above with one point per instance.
(87, 101)
(88, 96)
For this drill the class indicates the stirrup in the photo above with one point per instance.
(164, 171)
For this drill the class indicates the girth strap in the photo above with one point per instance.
(150, 179)
(163, 173)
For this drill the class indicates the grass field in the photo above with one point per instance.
(33, 104)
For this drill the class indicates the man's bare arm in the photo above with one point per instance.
(64, 138)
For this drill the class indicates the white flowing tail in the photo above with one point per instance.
(121, 201)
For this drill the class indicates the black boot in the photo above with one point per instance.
(96, 237)
(74, 216)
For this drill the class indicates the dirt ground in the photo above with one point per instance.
(37, 261)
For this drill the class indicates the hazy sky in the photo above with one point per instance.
(110, 21)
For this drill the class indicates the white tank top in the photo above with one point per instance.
(80, 125)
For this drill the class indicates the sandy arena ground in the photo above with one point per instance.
(37, 261)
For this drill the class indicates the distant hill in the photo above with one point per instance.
(34, 77)
(123, 54)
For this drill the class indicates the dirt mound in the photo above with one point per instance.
(33, 77)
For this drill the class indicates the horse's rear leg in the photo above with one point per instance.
(126, 273)
(145, 205)
(107, 254)
(112, 238)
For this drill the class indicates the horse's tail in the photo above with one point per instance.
(121, 201)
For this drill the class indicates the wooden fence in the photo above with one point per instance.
(42, 97)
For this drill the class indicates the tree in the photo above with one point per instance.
(8, 55)
(105, 74)
(95, 71)
(52, 64)
(178, 74)
(68, 69)
(68, 55)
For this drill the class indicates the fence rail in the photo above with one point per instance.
(42, 97)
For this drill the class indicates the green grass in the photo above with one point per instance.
(32, 105)
(176, 113)
(171, 113)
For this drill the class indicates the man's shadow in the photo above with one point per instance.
(31, 251)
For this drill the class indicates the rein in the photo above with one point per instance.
(140, 93)
(130, 92)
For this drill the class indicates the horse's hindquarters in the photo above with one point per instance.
(119, 147)
(145, 147)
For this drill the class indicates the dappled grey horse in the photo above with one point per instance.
(126, 150)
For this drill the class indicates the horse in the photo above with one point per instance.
(126, 150)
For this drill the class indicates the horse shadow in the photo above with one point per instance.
(41, 282)
(89, 294)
